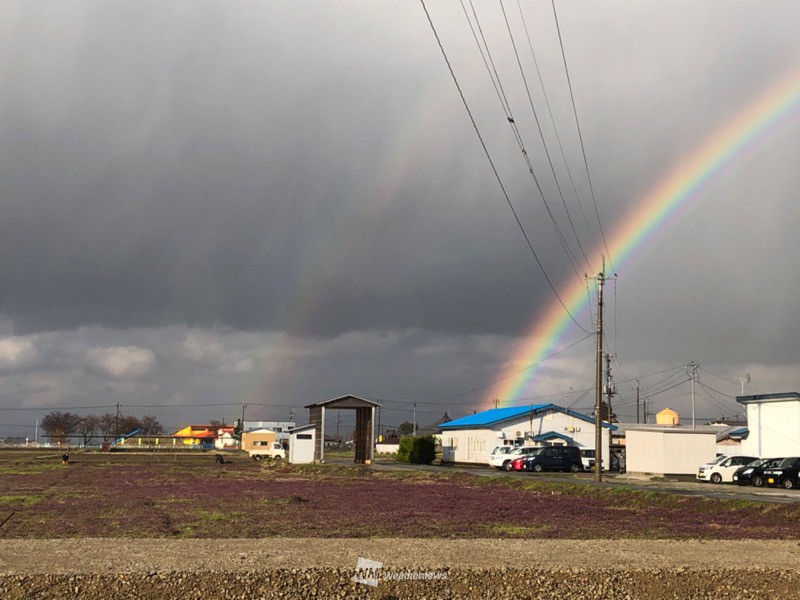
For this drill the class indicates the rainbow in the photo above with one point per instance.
(766, 115)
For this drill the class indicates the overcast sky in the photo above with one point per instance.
(210, 203)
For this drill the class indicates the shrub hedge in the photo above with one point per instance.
(419, 450)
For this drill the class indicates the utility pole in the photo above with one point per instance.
(496, 403)
(380, 406)
(637, 401)
(598, 384)
(610, 389)
(116, 424)
(691, 370)
(338, 420)
(644, 405)
(530, 428)
(414, 424)
(244, 405)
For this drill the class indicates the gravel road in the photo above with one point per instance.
(324, 568)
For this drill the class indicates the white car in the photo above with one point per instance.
(503, 455)
(587, 458)
(723, 468)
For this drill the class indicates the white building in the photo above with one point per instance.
(668, 449)
(471, 439)
(281, 428)
(773, 424)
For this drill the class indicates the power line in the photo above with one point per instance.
(498, 85)
(494, 169)
(580, 136)
(550, 112)
(541, 134)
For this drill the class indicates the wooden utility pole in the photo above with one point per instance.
(637, 400)
(598, 384)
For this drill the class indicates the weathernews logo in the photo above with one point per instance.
(370, 572)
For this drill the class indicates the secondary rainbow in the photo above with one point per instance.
(766, 116)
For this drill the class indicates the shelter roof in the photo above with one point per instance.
(348, 401)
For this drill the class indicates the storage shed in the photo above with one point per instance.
(301, 444)
(676, 450)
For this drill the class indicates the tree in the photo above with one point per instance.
(237, 429)
(60, 425)
(214, 424)
(108, 425)
(406, 428)
(151, 426)
(128, 423)
(88, 427)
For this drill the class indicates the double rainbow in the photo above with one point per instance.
(767, 115)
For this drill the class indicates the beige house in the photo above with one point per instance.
(257, 438)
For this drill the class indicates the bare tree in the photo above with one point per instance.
(60, 425)
(128, 423)
(151, 426)
(88, 427)
(108, 425)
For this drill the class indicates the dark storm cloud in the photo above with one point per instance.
(308, 168)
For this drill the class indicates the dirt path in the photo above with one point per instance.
(96, 569)
(107, 556)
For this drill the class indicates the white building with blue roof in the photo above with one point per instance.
(471, 439)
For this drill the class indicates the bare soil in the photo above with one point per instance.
(108, 527)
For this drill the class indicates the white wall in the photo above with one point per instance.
(774, 429)
(476, 445)
(668, 451)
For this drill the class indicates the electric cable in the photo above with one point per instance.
(580, 136)
(541, 134)
(494, 169)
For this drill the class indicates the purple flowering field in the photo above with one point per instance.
(110, 495)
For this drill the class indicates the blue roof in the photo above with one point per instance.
(552, 434)
(490, 417)
(743, 431)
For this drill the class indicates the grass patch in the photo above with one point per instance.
(507, 529)
(23, 500)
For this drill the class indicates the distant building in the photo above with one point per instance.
(281, 428)
(195, 435)
(471, 439)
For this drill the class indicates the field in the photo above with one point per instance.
(191, 496)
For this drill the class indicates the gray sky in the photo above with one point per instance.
(283, 202)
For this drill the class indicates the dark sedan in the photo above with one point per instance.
(753, 474)
(785, 474)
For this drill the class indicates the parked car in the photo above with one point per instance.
(723, 470)
(499, 456)
(588, 456)
(555, 458)
(503, 461)
(518, 464)
(753, 474)
(785, 474)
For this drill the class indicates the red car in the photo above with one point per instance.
(518, 464)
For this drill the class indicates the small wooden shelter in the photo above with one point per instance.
(365, 425)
